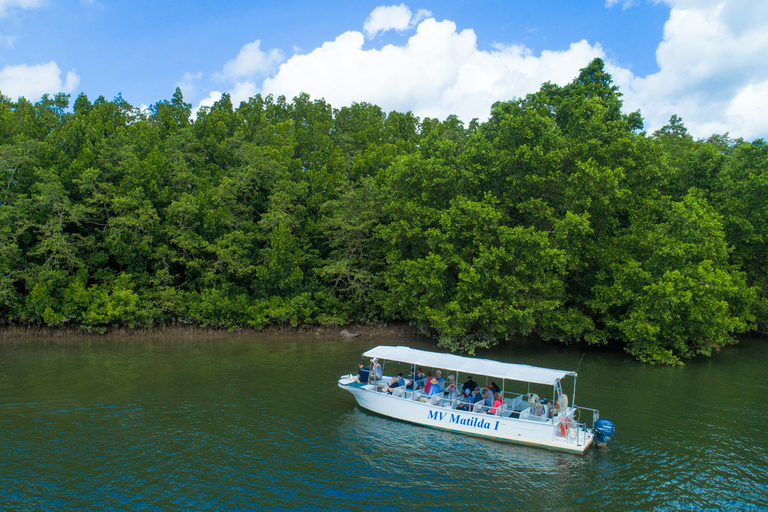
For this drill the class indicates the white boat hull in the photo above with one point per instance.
(545, 433)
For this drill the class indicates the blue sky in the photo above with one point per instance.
(701, 59)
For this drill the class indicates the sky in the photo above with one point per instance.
(703, 60)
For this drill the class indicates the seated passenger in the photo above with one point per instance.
(486, 402)
(451, 390)
(421, 379)
(362, 374)
(412, 381)
(465, 402)
(561, 405)
(496, 404)
(470, 385)
(434, 389)
(428, 382)
(477, 396)
(440, 379)
(397, 381)
(495, 387)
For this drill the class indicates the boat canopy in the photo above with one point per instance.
(469, 365)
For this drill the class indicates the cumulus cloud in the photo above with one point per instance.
(9, 5)
(212, 98)
(438, 72)
(711, 62)
(710, 59)
(34, 81)
(392, 17)
(251, 61)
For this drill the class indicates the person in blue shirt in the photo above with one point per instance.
(362, 374)
(421, 379)
(434, 389)
(413, 383)
(465, 402)
(486, 401)
(397, 381)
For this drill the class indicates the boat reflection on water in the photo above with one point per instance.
(413, 458)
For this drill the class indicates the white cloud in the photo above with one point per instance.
(625, 4)
(212, 98)
(9, 5)
(251, 61)
(384, 18)
(34, 81)
(711, 58)
(392, 17)
(242, 91)
(188, 83)
(437, 73)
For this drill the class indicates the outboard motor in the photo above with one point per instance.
(604, 431)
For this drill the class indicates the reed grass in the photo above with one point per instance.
(17, 334)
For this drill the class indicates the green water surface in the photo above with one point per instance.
(259, 424)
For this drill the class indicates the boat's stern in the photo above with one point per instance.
(346, 381)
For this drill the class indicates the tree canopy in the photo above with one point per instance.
(558, 217)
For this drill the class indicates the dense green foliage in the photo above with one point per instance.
(558, 217)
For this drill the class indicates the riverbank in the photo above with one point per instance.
(20, 334)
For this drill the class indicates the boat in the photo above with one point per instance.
(523, 418)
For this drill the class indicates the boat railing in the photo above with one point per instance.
(589, 415)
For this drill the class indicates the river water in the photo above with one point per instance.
(258, 423)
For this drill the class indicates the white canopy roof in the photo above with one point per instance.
(469, 365)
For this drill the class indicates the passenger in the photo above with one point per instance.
(439, 377)
(496, 403)
(495, 387)
(486, 402)
(362, 374)
(477, 396)
(561, 405)
(451, 390)
(470, 385)
(428, 383)
(376, 369)
(465, 402)
(396, 382)
(412, 382)
(434, 389)
(420, 378)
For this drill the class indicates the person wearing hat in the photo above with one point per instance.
(465, 402)
(434, 389)
(470, 385)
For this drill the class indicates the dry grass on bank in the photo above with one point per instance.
(19, 334)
